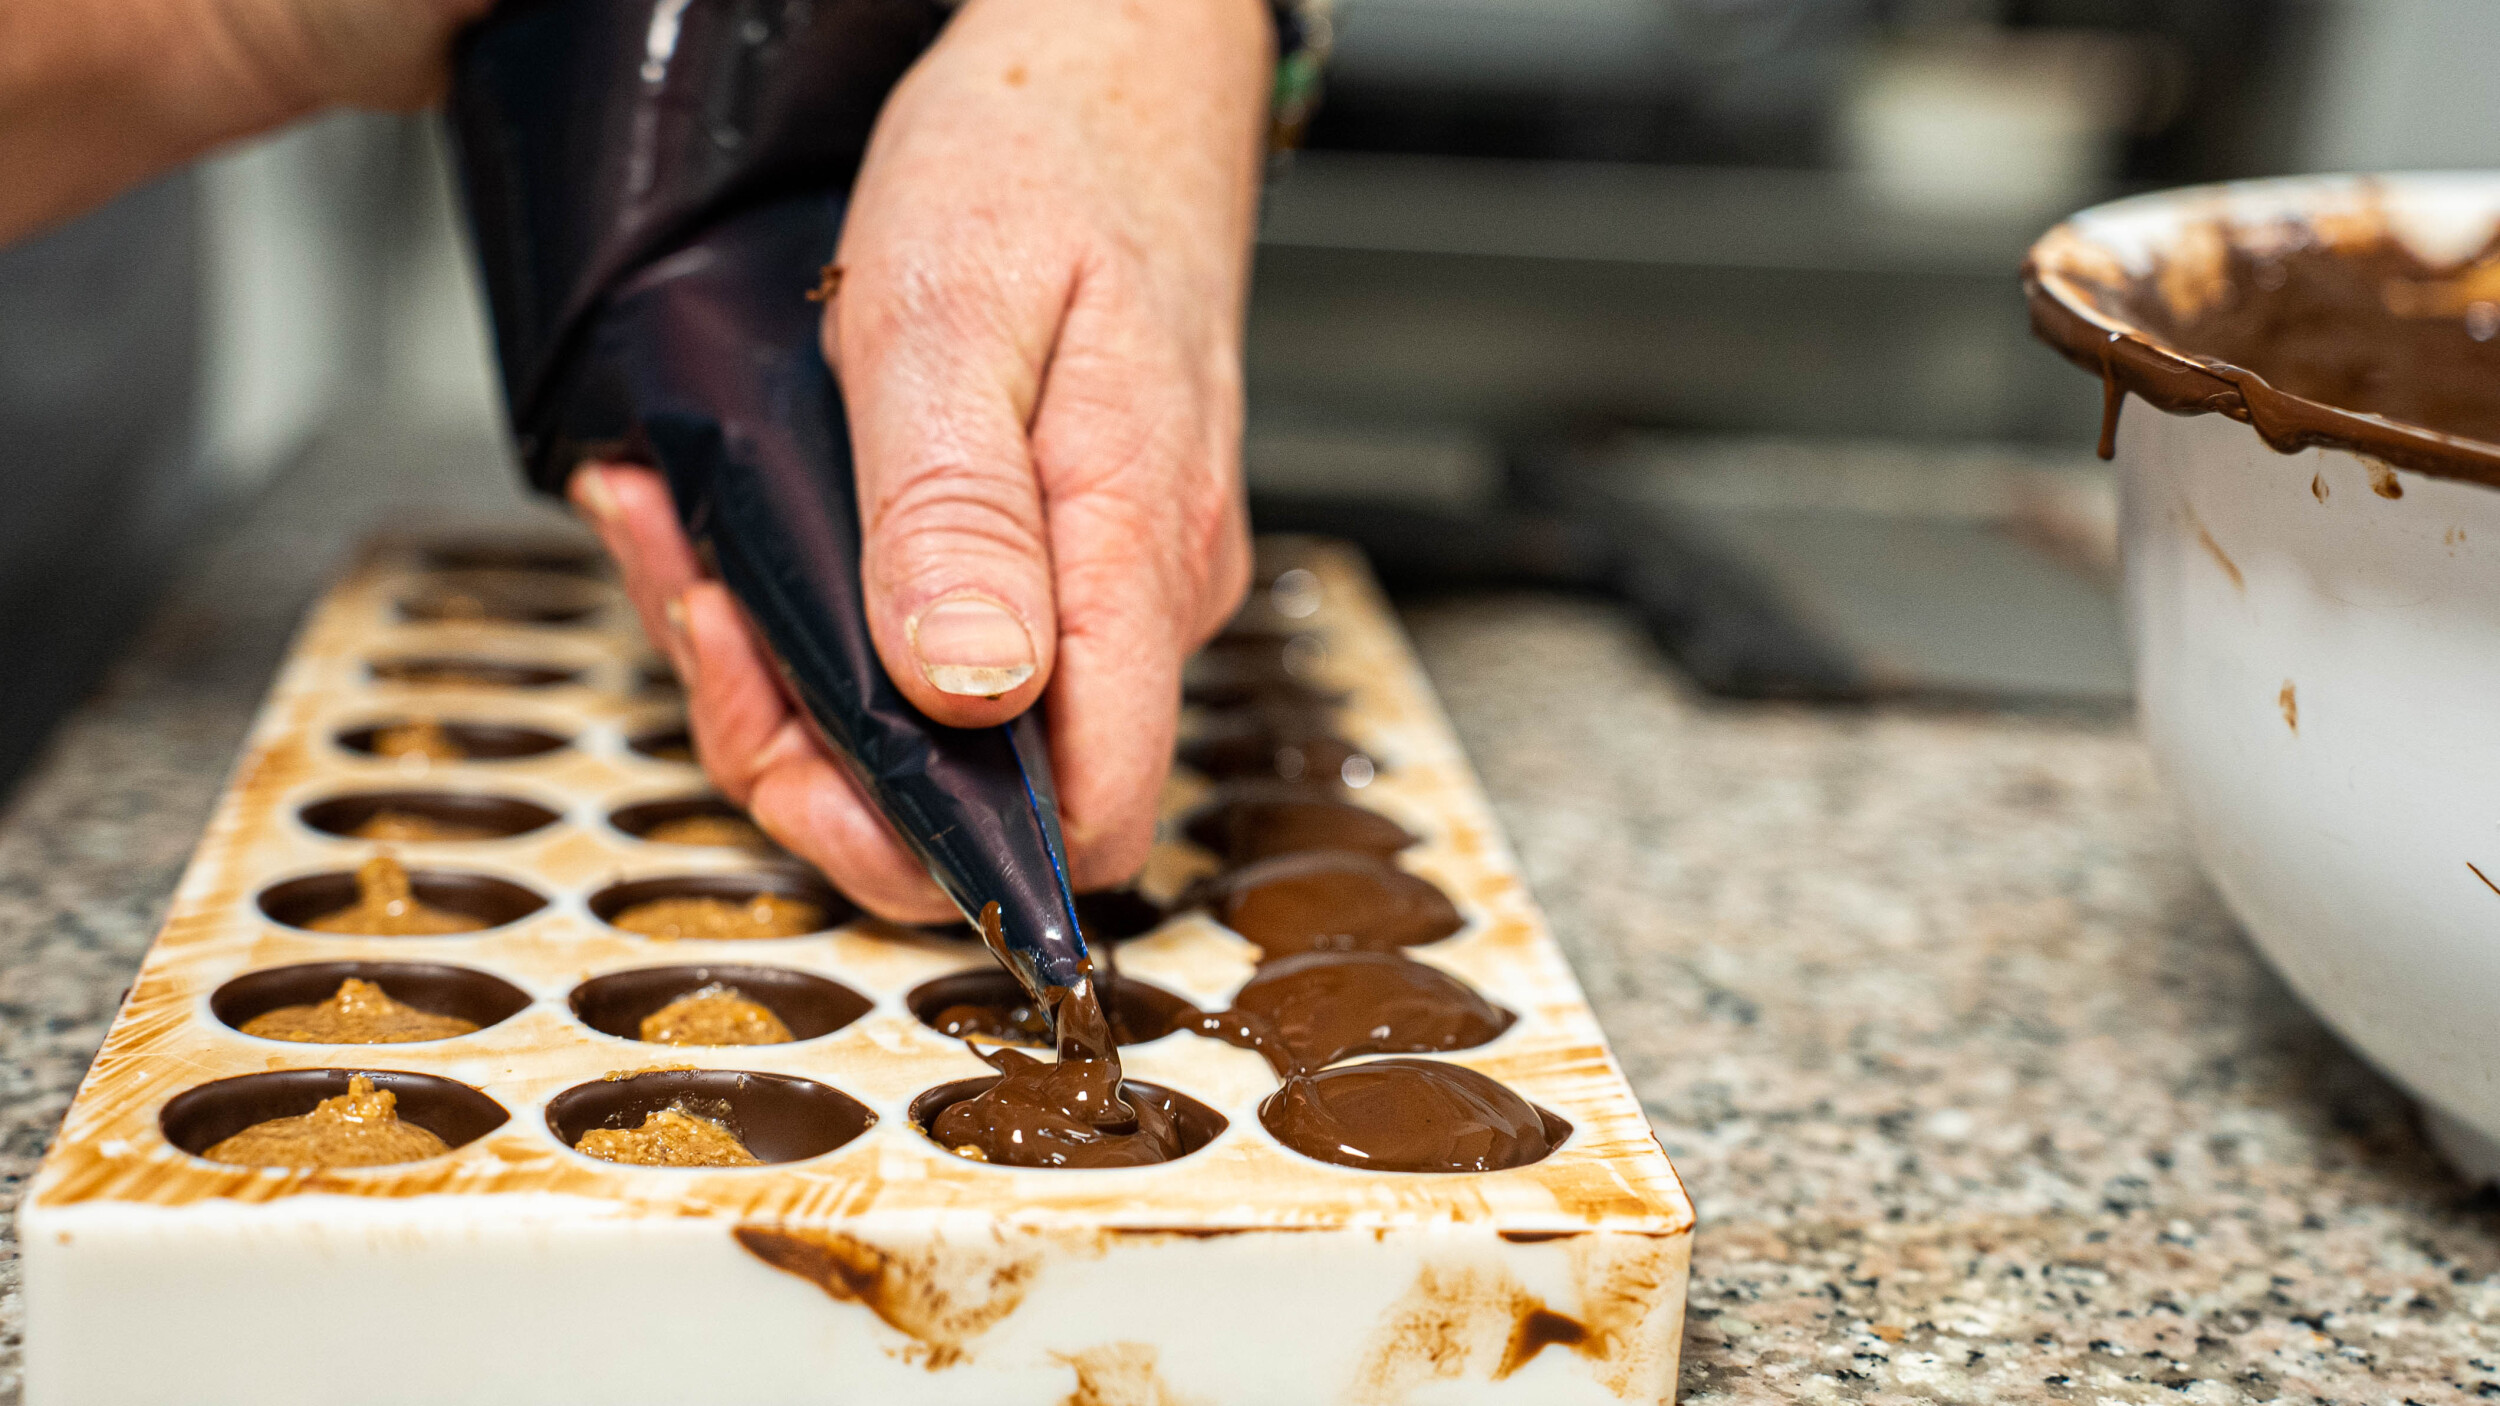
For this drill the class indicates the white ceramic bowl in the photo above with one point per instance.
(2317, 655)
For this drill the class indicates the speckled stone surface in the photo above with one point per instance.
(1981, 1095)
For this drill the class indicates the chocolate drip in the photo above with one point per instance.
(1409, 1115)
(2344, 340)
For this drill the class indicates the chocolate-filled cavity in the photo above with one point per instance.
(491, 902)
(778, 1117)
(672, 743)
(500, 597)
(1410, 1115)
(618, 1002)
(1322, 1007)
(1237, 669)
(740, 890)
(200, 1118)
(655, 677)
(434, 987)
(465, 671)
(691, 820)
(1105, 915)
(407, 814)
(1025, 1117)
(451, 741)
(517, 554)
(1328, 901)
(1249, 821)
(987, 1004)
(1252, 746)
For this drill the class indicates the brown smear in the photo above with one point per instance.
(2330, 335)
(2383, 481)
(2222, 558)
(2289, 701)
(941, 1299)
(1120, 1374)
(1538, 1329)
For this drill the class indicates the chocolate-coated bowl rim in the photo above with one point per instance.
(340, 812)
(770, 986)
(454, 889)
(623, 1102)
(204, 1115)
(607, 902)
(460, 730)
(1189, 1113)
(482, 997)
(2084, 250)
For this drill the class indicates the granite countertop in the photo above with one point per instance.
(1980, 1093)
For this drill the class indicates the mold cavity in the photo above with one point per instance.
(1249, 821)
(776, 1117)
(1193, 1122)
(516, 554)
(423, 816)
(1410, 1115)
(1254, 747)
(467, 671)
(500, 597)
(987, 1005)
(665, 744)
(1246, 668)
(435, 988)
(451, 741)
(807, 1005)
(492, 902)
(200, 1118)
(691, 820)
(717, 907)
(656, 678)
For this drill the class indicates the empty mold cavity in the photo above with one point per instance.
(987, 1005)
(641, 818)
(436, 988)
(780, 1118)
(671, 743)
(608, 902)
(1197, 1124)
(500, 817)
(492, 901)
(516, 554)
(810, 1005)
(477, 742)
(500, 597)
(200, 1118)
(467, 671)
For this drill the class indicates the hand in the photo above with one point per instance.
(99, 95)
(1037, 331)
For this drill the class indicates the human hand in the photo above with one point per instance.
(1037, 330)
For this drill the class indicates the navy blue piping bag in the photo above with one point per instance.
(654, 185)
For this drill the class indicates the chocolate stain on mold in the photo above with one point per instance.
(939, 1299)
(2331, 333)
(1120, 1374)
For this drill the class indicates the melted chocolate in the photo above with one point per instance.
(1409, 1115)
(1249, 821)
(1058, 1114)
(1322, 1007)
(1325, 901)
(987, 1005)
(2345, 340)
(1255, 747)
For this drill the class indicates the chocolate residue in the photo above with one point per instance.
(2337, 336)
(1250, 821)
(987, 1005)
(1409, 1115)
(361, 1013)
(359, 1128)
(1538, 1329)
(386, 906)
(940, 1298)
(1060, 1114)
(1326, 1006)
(1321, 900)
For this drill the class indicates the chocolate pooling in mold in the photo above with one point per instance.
(1036, 1113)
(2333, 334)
(1250, 745)
(1324, 900)
(1250, 821)
(1410, 1115)
(987, 1005)
(1321, 1007)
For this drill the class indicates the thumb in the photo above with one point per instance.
(956, 556)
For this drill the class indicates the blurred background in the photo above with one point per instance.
(1707, 305)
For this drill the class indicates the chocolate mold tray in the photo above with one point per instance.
(865, 1263)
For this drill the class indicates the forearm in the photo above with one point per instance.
(99, 95)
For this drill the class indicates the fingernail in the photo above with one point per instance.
(971, 647)
(594, 493)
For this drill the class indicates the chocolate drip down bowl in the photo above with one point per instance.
(2312, 543)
